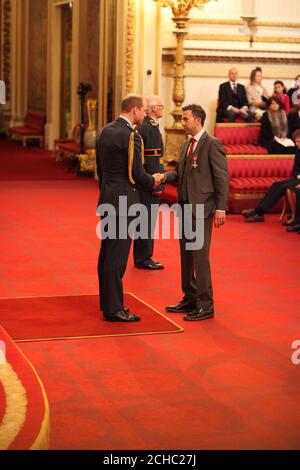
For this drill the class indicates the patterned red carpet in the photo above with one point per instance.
(224, 383)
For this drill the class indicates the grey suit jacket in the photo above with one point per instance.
(207, 184)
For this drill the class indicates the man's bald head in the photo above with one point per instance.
(233, 74)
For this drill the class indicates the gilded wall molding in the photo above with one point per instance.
(6, 46)
(234, 59)
(270, 24)
(240, 38)
(130, 45)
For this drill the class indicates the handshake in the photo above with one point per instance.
(158, 179)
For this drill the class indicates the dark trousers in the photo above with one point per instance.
(274, 193)
(143, 248)
(112, 264)
(297, 213)
(232, 117)
(196, 280)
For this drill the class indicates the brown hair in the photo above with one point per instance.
(276, 100)
(131, 101)
(253, 73)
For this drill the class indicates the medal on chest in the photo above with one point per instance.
(195, 164)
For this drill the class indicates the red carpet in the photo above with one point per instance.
(24, 413)
(30, 163)
(226, 383)
(75, 317)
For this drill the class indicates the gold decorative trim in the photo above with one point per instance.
(240, 196)
(130, 45)
(237, 124)
(271, 24)
(240, 38)
(16, 405)
(267, 156)
(234, 59)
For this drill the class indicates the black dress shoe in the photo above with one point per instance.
(294, 228)
(248, 212)
(199, 314)
(149, 264)
(121, 316)
(182, 306)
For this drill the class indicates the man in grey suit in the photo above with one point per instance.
(202, 177)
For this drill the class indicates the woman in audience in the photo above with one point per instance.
(280, 92)
(256, 93)
(293, 92)
(274, 129)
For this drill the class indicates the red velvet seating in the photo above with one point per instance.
(240, 139)
(251, 176)
(33, 129)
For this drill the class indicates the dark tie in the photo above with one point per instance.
(191, 149)
(234, 89)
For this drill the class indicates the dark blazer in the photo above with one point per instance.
(112, 164)
(296, 167)
(227, 97)
(207, 184)
(293, 122)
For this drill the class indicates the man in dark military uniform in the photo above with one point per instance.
(153, 150)
(119, 167)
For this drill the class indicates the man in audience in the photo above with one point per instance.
(296, 226)
(233, 102)
(277, 190)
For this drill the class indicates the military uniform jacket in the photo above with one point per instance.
(113, 164)
(153, 147)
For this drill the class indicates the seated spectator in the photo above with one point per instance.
(296, 225)
(233, 103)
(257, 94)
(277, 190)
(280, 92)
(294, 120)
(291, 93)
(274, 129)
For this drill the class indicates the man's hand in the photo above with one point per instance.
(219, 219)
(298, 186)
(158, 178)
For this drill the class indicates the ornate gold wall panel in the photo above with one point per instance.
(130, 45)
(37, 60)
(6, 46)
(235, 59)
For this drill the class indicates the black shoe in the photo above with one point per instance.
(248, 212)
(121, 316)
(294, 228)
(255, 218)
(182, 306)
(199, 314)
(150, 264)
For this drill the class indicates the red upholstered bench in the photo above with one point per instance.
(252, 175)
(240, 139)
(33, 129)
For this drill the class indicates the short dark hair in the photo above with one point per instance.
(197, 111)
(131, 101)
(277, 100)
(296, 134)
(280, 82)
(253, 73)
